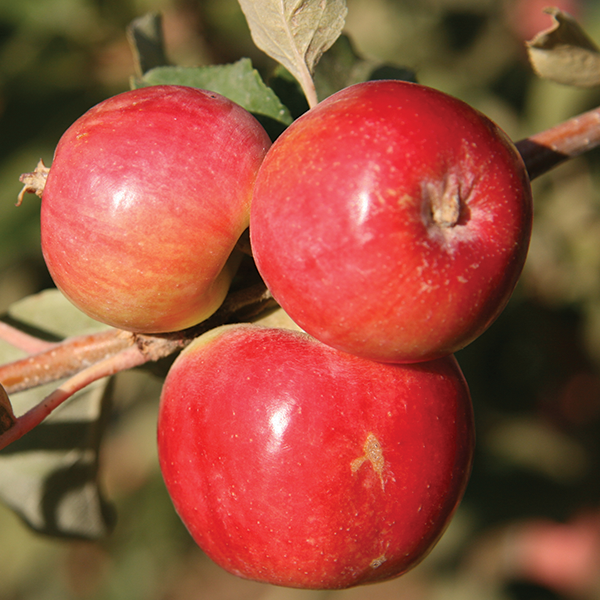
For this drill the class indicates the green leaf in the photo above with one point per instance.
(237, 81)
(295, 33)
(145, 36)
(50, 312)
(564, 53)
(49, 476)
(341, 66)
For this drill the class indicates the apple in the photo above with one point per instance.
(392, 221)
(294, 464)
(145, 200)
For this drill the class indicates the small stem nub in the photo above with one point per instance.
(445, 202)
(34, 182)
(446, 211)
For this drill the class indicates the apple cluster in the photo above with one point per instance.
(391, 222)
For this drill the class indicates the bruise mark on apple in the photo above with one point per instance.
(377, 562)
(373, 453)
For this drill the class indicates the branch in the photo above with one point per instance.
(126, 359)
(544, 151)
(56, 361)
(23, 341)
(122, 351)
(63, 359)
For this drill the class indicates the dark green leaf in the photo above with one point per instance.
(287, 88)
(341, 66)
(145, 36)
(237, 81)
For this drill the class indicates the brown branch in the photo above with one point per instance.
(545, 150)
(63, 359)
(126, 359)
(109, 352)
(66, 358)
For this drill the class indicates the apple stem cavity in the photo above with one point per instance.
(443, 202)
(445, 209)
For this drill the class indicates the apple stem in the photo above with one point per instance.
(446, 211)
(545, 150)
(34, 182)
(444, 201)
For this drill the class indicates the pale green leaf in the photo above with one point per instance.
(51, 312)
(564, 53)
(295, 33)
(49, 476)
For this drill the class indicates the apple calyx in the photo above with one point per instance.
(34, 182)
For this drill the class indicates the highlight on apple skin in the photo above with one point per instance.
(298, 465)
(392, 221)
(145, 200)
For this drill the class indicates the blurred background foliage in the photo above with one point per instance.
(529, 526)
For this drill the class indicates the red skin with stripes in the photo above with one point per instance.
(146, 198)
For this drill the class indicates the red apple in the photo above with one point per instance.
(146, 198)
(392, 221)
(295, 464)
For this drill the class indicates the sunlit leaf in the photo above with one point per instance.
(564, 53)
(51, 312)
(295, 33)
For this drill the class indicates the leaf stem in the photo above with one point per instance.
(308, 87)
(23, 341)
(545, 150)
